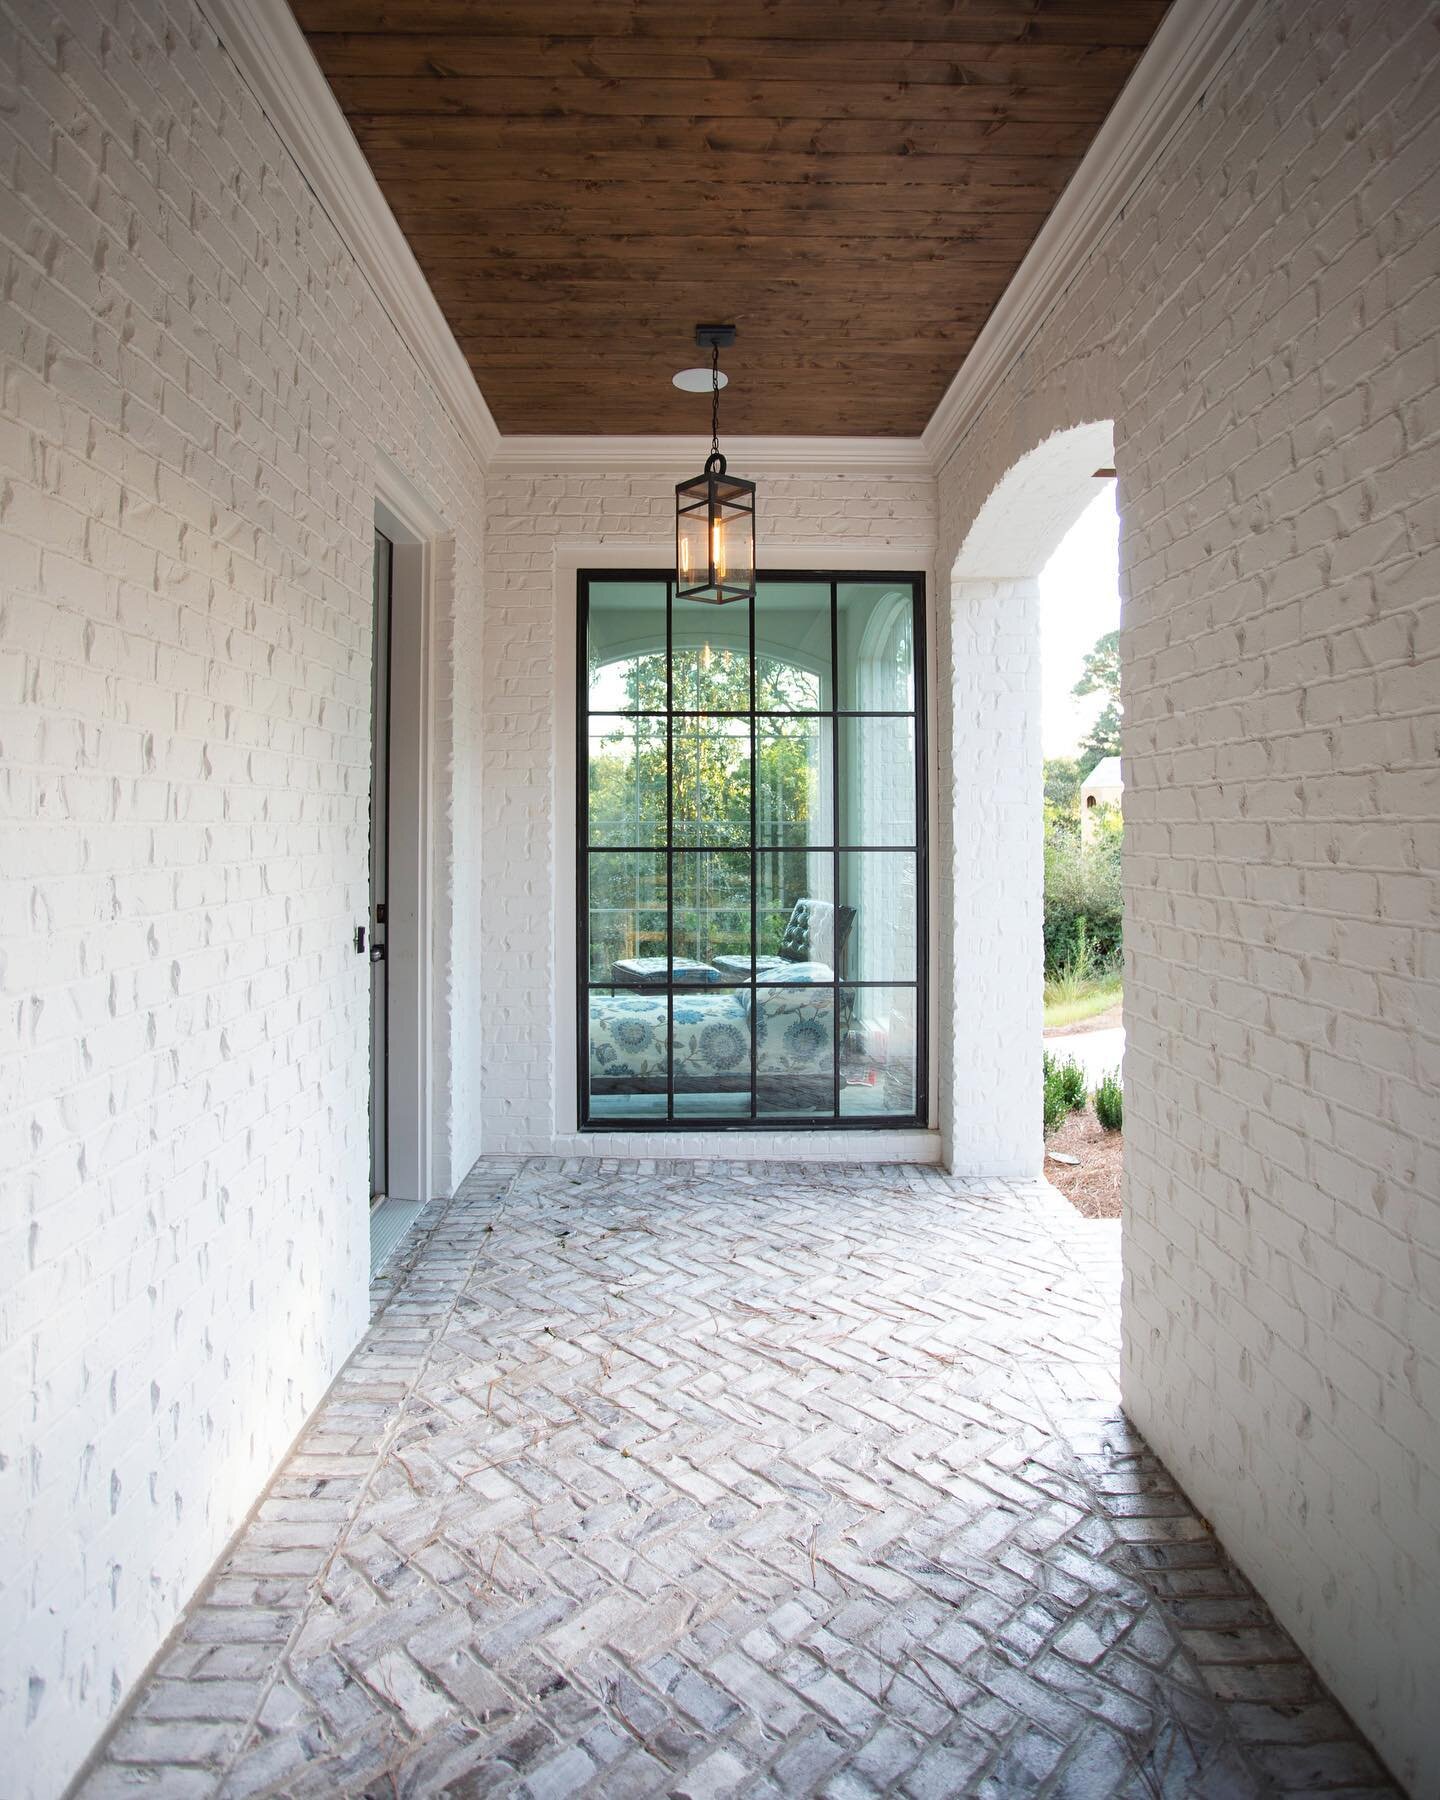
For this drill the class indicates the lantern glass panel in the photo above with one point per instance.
(735, 565)
(692, 548)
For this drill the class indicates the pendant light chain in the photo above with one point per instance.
(715, 398)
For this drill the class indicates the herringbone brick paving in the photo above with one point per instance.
(713, 1479)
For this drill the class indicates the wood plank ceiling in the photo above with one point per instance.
(851, 182)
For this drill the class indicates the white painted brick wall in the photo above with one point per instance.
(195, 381)
(990, 898)
(538, 525)
(1263, 327)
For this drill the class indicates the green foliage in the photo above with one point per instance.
(1064, 1005)
(1109, 1104)
(1083, 905)
(1063, 1088)
(1071, 1079)
(1062, 785)
(1102, 739)
(1101, 673)
(1056, 1105)
(1101, 676)
(1082, 880)
(1080, 970)
(706, 774)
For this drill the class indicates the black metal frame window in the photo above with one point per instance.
(751, 825)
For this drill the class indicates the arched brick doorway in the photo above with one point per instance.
(989, 850)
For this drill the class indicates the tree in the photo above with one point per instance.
(705, 774)
(1101, 675)
(1062, 783)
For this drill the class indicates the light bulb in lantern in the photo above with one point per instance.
(717, 549)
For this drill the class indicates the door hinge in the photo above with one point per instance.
(359, 940)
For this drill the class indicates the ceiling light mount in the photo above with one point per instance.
(715, 511)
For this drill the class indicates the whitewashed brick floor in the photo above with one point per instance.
(732, 1478)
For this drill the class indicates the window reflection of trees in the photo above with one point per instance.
(748, 798)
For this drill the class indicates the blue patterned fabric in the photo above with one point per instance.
(712, 1033)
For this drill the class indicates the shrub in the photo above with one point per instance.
(1083, 902)
(1064, 1089)
(1056, 1106)
(1109, 1105)
(1071, 1079)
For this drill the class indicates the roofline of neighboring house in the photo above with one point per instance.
(271, 52)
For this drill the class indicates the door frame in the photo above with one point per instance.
(413, 529)
(379, 870)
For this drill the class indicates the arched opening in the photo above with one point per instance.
(991, 843)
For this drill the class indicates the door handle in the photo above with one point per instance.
(377, 953)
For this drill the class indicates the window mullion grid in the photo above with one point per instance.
(835, 839)
(754, 887)
(582, 838)
(916, 986)
(919, 696)
(669, 854)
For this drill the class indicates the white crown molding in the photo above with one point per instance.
(681, 456)
(1193, 40)
(270, 50)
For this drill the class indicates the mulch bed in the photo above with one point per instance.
(1092, 1188)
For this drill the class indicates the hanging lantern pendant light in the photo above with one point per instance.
(715, 511)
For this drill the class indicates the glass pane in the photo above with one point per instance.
(880, 888)
(627, 1054)
(712, 780)
(793, 765)
(877, 1051)
(735, 547)
(627, 781)
(711, 655)
(875, 631)
(794, 910)
(712, 1054)
(877, 781)
(692, 549)
(712, 914)
(792, 646)
(626, 646)
(627, 914)
(795, 1050)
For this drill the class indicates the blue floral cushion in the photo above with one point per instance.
(712, 1032)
